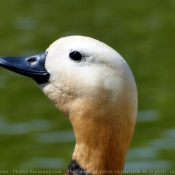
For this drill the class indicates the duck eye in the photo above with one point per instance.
(76, 56)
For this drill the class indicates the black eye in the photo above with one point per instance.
(76, 56)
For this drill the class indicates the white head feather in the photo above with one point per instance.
(101, 68)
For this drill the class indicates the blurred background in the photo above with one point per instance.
(33, 134)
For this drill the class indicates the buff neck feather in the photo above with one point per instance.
(103, 131)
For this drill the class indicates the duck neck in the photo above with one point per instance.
(101, 146)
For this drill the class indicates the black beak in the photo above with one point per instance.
(32, 66)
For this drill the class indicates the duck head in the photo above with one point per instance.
(93, 86)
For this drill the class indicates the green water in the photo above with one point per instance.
(142, 31)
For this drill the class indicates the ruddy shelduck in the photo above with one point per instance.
(93, 86)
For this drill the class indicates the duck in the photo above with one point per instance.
(93, 86)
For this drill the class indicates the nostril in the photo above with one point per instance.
(31, 60)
